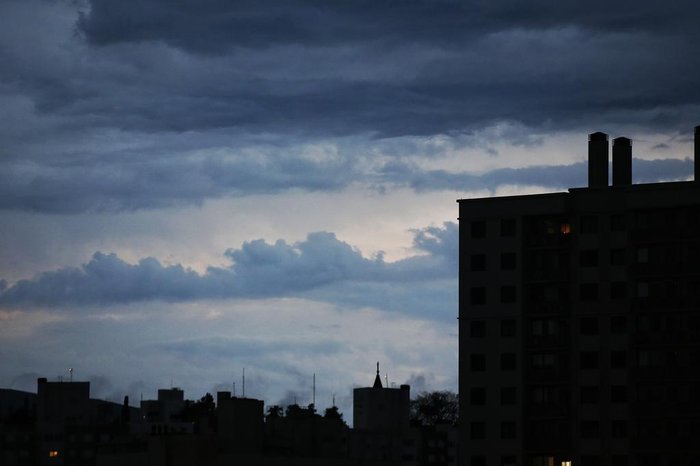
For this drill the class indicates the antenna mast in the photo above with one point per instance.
(314, 391)
(244, 382)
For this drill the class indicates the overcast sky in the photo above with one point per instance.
(190, 188)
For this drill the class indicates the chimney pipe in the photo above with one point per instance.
(597, 160)
(622, 162)
(696, 159)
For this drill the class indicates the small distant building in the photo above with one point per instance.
(164, 415)
(381, 431)
(240, 427)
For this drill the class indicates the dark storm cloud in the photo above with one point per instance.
(451, 65)
(210, 25)
(105, 107)
(385, 68)
(259, 269)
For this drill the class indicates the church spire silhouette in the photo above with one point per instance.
(377, 379)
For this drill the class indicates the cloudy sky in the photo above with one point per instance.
(191, 188)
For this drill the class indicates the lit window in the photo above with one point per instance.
(566, 463)
(53, 453)
(565, 228)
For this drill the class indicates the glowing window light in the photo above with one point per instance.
(566, 463)
(53, 453)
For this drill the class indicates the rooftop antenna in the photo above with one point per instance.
(314, 391)
(334, 399)
(386, 379)
(234, 389)
(70, 371)
(244, 382)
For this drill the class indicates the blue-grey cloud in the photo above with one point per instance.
(218, 349)
(320, 266)
(161, 181)
(552, 177)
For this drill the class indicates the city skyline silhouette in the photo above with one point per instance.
(188, 189)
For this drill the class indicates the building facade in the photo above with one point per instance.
(579, 322)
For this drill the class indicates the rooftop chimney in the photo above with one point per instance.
(622, 162)
(696, 159)
(597, 160)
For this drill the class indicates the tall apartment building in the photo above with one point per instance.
(579, 322)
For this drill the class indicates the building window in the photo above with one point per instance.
(477, 328)
(620, 460)
(477, 362)
(477, 430)
(642, 290)
(642, 255)
(477, 461)
(590, 429)
(508, 227)
(478, 262)
(508, 294)
(618, 394)
(588, 258)
(544, 328)
(651, 358)
(544, 361)
(508, 328)
(588, 291)
(508, 395)
(590, 394)
(618, 290)
(478, 229)
(617, 222)
(618, 359)
(618, 429)
(589, 360)
(618, 257)
(508, 260)
(589, 224)
(477, 396)
(508, 362)
(590, 460)
(618, 324)
(478, 295)
(509, 461)
(508, 430)
(589, 325)
(546, 395)
(543, 461)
